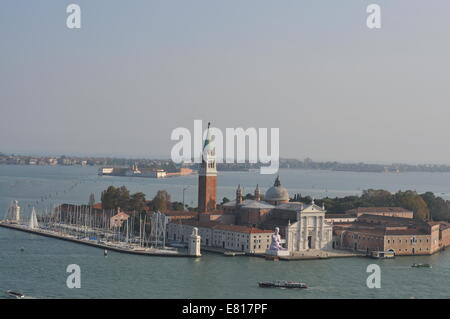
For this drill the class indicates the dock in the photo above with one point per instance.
(322, 254)
(143, 252)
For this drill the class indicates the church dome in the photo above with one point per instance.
(277, 194)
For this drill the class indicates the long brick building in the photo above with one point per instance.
(403, 236)
(215, 234)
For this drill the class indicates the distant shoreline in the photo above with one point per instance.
(256, 169)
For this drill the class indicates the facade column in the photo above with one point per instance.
(316, 232)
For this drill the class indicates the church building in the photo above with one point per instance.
(302, 226)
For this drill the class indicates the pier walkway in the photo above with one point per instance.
(108, 246)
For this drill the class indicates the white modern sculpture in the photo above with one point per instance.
(275, 248)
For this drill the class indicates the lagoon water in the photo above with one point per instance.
(40, 270)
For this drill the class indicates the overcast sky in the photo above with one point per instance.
(138, 69)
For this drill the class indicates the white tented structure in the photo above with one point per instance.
(13, 213)
(158, 229)
(33, 220)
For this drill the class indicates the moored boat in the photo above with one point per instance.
(382, 254)
(421, 265)
(233, 253)
(15, 294)
(282, 284)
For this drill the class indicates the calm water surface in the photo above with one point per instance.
(40, 270)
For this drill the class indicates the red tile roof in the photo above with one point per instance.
(194, 223)
(214, 212)
(233, 228)
(379, 210)
(242, 229)
(121, 215)
(180, 213)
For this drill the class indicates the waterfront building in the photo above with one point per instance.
(216, 235)
(339, 218)
(403, 236)
(310, 230)
(304, 227)
(118, 219)
(381, 211)
(176, 215)
(352, 214)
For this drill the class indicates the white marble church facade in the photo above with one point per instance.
(310, 231)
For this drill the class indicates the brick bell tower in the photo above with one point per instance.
(207, 178)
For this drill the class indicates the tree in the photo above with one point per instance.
(439, 208)
(110, 198)
(161, 201)
(123, 200)
(177, 206)
(412, 201)
(137, 202)
(377, 197)
(114, 198)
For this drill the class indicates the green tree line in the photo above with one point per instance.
(115, 197)
(425, 206)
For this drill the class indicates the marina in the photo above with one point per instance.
(128, 249)
(35, 264)
(79, 224)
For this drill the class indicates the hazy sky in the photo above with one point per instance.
(138, 69)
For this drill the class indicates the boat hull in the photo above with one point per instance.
(291, 285)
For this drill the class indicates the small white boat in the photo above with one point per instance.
(15, 294)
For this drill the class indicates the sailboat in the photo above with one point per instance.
(33, 220)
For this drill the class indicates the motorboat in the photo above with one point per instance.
(282, 284)
(421, 265)
(382, 254)
(15, 294)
